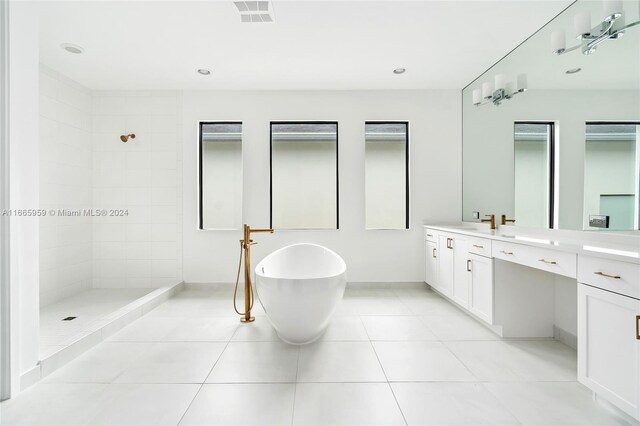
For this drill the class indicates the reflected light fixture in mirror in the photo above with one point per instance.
(500, 90)
(612, 27)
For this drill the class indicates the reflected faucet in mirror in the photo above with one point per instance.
(491, 220)
(504, 220)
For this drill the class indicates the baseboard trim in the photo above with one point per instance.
(30, 377)
(565, 337)
(383, 285)
(211, 286)
(405, 285)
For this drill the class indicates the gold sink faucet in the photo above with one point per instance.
(491, 220)
(504, 220)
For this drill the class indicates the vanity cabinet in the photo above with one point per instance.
(457, 268)
(609, 331)
(480, 272)
(444, 281)
(431, 264)
(519, 302)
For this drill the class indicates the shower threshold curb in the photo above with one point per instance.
(96, 332)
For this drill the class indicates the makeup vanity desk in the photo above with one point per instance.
(507, 279)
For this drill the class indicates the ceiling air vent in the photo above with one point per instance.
(255, 11)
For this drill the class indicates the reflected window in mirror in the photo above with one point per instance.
(220, 166)
(387, 175)
(534, 164)
(611, 176)
(304, 175)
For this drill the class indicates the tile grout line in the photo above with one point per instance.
(384, 372)
(295, 388)
(204, 381)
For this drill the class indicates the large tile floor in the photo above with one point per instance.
(389, 357)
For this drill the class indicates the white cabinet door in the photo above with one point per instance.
(431, 271)
(609, 346)
(480, 272)
(460, 275)
(445, 265)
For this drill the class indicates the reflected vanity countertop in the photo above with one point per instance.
(624, 247)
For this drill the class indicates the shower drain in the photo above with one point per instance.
(69, 318)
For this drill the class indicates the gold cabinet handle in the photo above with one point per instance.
(449, 243)
(602, 274)
(506, 252)
(429, 235)
(477, 246)
(549, 262)
(468, 265)
(433, 253)
(637, 327)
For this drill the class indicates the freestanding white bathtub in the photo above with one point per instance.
(299, 287)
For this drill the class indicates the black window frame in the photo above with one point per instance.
(551, 166)
(201, 124)
(285, 122)
(623, 123)
(406, 164)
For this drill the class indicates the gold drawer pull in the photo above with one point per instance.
(602, 274)
(468, 265)
(506, 252)
(637, 327)
(550, 262)
(477, 246)
(429, 235)
(433, 254)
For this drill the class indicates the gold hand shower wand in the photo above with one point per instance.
(245, 245)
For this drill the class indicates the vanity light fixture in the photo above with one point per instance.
(399, 71)
(72, 48)
(204, 71)
(591, 37)
(500, 90)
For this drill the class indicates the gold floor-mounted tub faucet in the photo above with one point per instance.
(245, 248)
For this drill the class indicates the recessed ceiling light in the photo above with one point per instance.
(204, 71)
(399, 71)
(573, 70)
(72, 48)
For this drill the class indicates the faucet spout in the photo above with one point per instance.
(491, 220)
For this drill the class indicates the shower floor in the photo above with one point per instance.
(88, 307)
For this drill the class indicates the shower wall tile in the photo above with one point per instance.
(65, 184)
(143, 177)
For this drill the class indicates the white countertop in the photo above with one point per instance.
(624, 247)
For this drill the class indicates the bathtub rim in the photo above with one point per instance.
(342, 262)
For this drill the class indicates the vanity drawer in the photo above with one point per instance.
(431, 235)
(612, 275)
(480, 246)
(553, 261)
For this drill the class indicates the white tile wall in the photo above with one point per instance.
(143, 176)
(65, 183)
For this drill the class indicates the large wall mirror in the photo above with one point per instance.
(304, 175)
(387, 175)
(572, 92)
(220, 162)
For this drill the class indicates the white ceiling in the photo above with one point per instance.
(317, 45)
